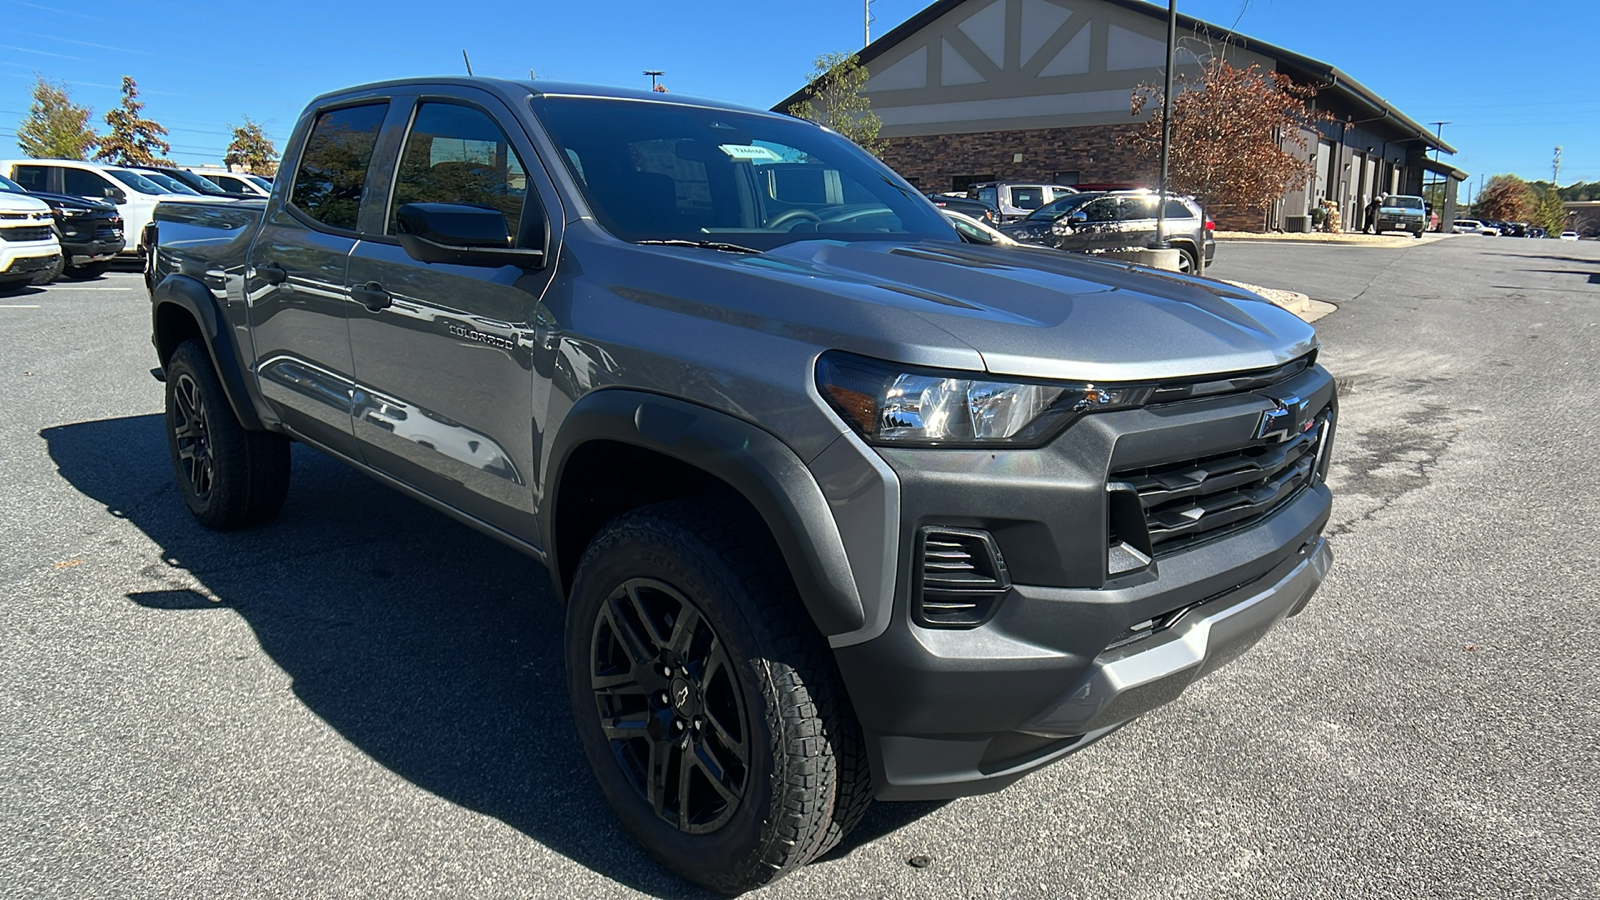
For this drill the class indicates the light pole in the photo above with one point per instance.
(654, 74)
(1438, 133)
(1160, 242)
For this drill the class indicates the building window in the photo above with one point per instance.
(965, 182)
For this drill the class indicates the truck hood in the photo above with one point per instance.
(72, 201)
(21, 203)
(1041, 313)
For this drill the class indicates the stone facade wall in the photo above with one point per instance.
(1095, 152)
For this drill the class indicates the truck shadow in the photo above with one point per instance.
(430, 647)
(433, 649)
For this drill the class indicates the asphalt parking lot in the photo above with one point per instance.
(364, 698)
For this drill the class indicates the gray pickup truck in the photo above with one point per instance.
(840, 507)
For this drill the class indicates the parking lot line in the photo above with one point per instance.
(19, 306)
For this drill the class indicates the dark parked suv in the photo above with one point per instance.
(90, 232)
(838, 506)
(1100, 221)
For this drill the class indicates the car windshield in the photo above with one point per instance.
(170, 183)
(1053, 211)
(195, 183)
(259, 182)
(11, 187)
(138, 182)
(1403, 203)
(662, 171)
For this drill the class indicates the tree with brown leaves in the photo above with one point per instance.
(1230, 131)
(133, 139)
(1506, 198)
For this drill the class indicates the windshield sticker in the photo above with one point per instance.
(752, 153)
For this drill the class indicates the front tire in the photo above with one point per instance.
(707, 704)
(48, 276)
(230, 478)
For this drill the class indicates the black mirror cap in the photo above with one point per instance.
(460, 235)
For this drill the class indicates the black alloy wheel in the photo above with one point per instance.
(229, 477)
(664, 692)
(192, 433)
(707, 704)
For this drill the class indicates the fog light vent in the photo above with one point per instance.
(962, 577)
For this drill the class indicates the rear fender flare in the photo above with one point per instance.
(194, 298)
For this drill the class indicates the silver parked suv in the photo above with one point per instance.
(1098, 221)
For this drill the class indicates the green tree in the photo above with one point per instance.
(1506, 198)
(1550, 213)
(133, 139)
(55, 127)
(834, 99)
(251, 150)
(1230, 130)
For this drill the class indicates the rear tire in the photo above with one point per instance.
(230, 478)
(707, 704)
(1187, 263)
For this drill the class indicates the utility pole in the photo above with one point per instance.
(1438, 133)
(654, 74)
(866, 22)
(1160, 242)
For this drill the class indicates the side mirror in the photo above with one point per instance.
(461, 235)
(1077, 217)
(116, 195)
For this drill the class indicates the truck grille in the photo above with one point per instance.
(1201, 499)
(26, 233)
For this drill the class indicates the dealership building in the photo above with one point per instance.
(1040, 90)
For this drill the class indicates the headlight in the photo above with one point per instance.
(921, 407)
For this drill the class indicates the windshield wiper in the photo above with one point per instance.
(705, 245)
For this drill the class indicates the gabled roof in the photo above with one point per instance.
(1326, 78)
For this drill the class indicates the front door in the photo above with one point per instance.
(444, 354)
(296, 280)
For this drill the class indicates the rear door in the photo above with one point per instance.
(296, 279)
(447, 398)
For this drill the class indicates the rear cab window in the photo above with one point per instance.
(331, 176)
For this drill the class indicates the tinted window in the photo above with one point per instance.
(138, 182)
(456, 154)
(168, 182)
(1052, 211)
(83, 183)
(333, 169)
(32, 177)
(655, 171)
(1176, 210)
(989, 195)
(1403, 203)
(1027, 197)
(1132, 209)
(1103, 209)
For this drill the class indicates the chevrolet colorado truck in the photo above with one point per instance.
(840, 507)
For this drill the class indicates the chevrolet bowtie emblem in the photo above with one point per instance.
(1286, 421)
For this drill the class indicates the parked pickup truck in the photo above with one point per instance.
(840, 507)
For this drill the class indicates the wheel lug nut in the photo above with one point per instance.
(677, 724)
(684, 670)
(666, 671)
(663, 698)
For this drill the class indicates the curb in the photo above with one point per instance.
(1300, 304)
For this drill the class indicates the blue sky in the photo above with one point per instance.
(1511, 85)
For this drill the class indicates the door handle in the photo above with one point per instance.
(272, 272)
(372, 296)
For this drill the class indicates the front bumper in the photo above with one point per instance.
(30, 262)
(82, 253)
(1073, 650)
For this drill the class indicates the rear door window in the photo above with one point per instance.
(1027, 197)
(34, 178)
(332, 175)
(457, 154)
(83, 183)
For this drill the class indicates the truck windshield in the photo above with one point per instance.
(138, 182)
(1403, 203)
(665, 171)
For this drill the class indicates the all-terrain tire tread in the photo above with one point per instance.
(251, 467)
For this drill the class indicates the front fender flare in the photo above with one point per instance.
(753, 462)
